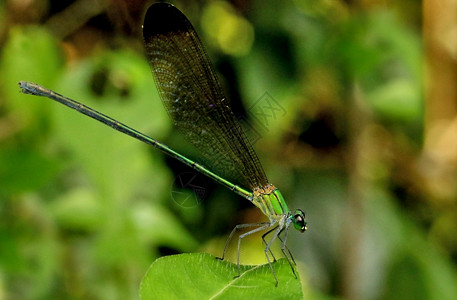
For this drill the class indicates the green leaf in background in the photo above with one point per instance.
(30, 53)
(202, 276)
(18, 170)
(119, 84)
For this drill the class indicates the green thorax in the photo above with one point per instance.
(270, 201)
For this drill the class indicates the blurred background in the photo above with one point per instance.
(351, 107)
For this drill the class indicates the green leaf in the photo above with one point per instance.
(202, 276)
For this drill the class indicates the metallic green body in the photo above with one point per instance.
(272, 204)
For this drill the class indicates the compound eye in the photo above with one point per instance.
(299, 221)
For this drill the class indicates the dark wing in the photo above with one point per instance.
(193, 96)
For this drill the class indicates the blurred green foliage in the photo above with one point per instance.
(85, 210)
